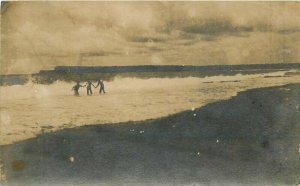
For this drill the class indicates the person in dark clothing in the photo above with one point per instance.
(101, 84)
(76, 88)
(89, 88)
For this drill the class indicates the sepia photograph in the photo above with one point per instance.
(150, 93)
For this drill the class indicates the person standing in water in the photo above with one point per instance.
(101, 84)
(89, 88)
(76, 88)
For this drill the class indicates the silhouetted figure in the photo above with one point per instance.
(76, 88)
(101, 84)
(89, 88)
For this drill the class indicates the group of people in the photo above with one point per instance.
(88, 86)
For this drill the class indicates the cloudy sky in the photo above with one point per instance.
(41, 35)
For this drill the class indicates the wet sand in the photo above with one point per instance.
(250, 139)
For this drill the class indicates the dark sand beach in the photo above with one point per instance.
(250, 139)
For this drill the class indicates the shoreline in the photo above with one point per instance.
(52, 108)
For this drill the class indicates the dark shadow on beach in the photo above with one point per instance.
(252, 138)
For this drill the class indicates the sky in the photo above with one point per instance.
(41, 35)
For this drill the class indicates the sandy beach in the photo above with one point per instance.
(249, 139)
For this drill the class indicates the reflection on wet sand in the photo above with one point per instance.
(31, 109)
